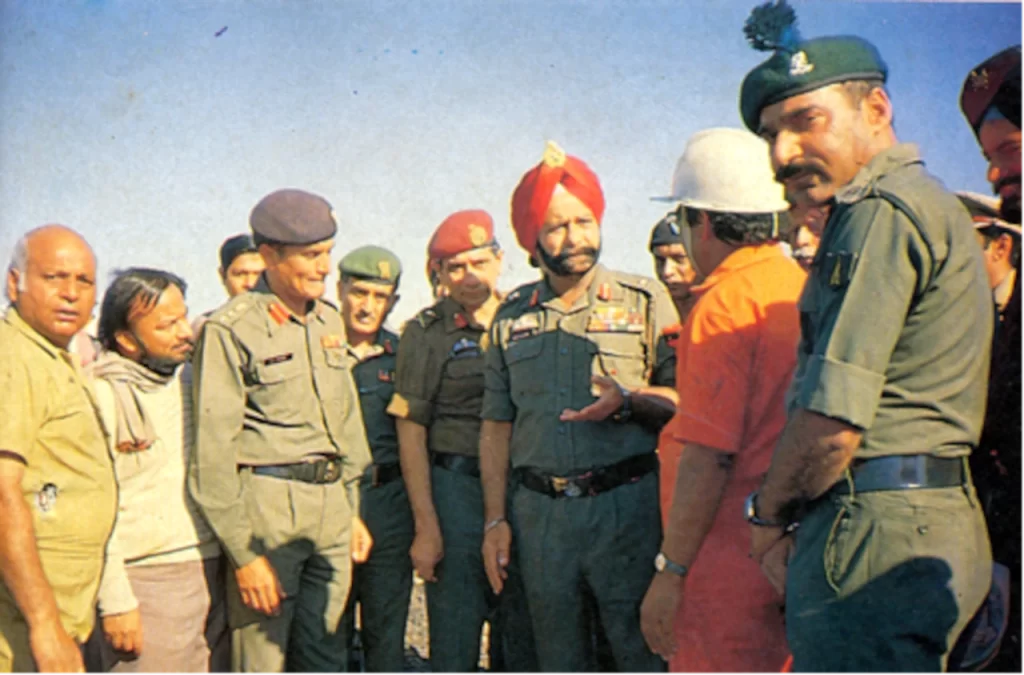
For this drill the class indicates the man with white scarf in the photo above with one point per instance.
(161, 598)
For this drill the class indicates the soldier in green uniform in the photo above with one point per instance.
(280, 446)
(438, 392)
(891, 556)
(368, 290)
(569, 369)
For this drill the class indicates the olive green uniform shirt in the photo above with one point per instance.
(48, 418)
(542, 358)
(269, 389)
(440, 378)
(896, 315)
(375, 381)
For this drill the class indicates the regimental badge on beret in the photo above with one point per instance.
(798, 64)
(477, 235)
(979, 79)
(384, 268)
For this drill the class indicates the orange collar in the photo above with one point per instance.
(741, 258)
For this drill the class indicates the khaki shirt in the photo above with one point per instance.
(269, 388)
(440, 378)
(48, 418)
(375, 380)
(896, 315)
(542, 358)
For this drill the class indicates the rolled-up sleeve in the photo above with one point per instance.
(865, 287)
(219, 413)
(417, 377)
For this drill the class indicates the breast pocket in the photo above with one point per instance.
(619, 356)
(463, 380)
(526, 371)
(278, 386)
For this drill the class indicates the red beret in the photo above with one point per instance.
(460, 232)
(532, 197)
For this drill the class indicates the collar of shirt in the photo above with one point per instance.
(13, 318)
(1004, 290)
(383, 344)
(603, 286)
(276, 312)
(455, 316)
(741, 258)
(885, 162)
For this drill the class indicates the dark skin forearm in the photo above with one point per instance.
(700, 484)
(653, 407)
(20, 566)
(412, 453)
(494, 453)
(810, 458)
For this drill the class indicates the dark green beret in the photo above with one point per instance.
(293, 217)
(810, 65)
(666, 232)
(373, 263)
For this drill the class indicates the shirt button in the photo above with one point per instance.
(563, 390)
(563, 350)
(561, 428)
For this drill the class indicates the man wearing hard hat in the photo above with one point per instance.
(735, 359)
(892, 557)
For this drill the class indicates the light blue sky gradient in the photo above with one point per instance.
(132, 122)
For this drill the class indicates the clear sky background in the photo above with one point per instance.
(133, 122)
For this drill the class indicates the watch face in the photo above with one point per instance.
(659, 562)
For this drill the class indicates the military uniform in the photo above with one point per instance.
(49, 420)
(571, 541)
(896, 331)
(279, 451)
(440, 386)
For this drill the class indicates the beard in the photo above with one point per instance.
(560, 264)
(161, 365)
(1009, 209)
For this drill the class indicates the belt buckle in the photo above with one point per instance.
(326, 471)
(565, 486)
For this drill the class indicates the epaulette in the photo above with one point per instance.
(328, 303)
(518, 297)
(428, 316)
(645, 285)
(232, 311)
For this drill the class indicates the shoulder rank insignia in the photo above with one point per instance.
(330, 341)
(277, 312)
(604, 292)
(839, 268)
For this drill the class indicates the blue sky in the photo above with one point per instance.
(134, 123)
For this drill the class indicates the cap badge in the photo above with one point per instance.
(979, 79)
(798, 64)
(554, 156)
(477, 235)
(384, 269)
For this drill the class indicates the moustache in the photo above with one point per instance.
(588, 251)
(1008, 181)
(794, 169)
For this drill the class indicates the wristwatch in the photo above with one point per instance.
(663, 564)
(750, 514)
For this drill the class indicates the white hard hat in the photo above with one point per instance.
(727, 170)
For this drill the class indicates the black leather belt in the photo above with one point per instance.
(464, 464)
(592, 482)
(903, 472)
(320, 472)
(381, 474)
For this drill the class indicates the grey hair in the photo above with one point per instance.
(19, 261)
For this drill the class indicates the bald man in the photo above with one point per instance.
(57, 491)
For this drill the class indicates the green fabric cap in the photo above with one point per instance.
(811, 64)
(373, 263)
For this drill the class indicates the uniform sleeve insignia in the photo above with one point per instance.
(278, 313)
(331, 341)
(839, 267)
(399, 407)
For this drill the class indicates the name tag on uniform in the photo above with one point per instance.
(464, 348)
(615, 320)
(525, 326)
(280, 358)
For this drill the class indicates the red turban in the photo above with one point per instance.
(532, 197)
